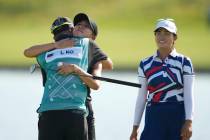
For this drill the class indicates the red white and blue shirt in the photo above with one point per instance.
(171, 80)
(165, 77)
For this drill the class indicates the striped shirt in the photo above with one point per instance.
(165, 77)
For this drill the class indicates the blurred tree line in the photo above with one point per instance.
(113, 8)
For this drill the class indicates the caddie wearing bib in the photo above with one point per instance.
(64, 91)
(62, 29)
(63, 104)
(62, 110)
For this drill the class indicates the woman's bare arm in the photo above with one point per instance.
(38, 49)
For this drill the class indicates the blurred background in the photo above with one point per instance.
(125, 34)
(125, 27)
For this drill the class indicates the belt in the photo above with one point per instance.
(165, 103)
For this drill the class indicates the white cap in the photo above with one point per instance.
(167, 24)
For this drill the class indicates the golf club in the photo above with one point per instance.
(121, 82)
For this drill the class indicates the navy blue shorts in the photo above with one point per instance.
(163, 121)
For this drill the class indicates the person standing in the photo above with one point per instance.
(64, 95)
(167, 79)
(81, 21)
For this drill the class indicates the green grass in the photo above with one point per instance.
(125, 46)
(125, 27)
(13, 42)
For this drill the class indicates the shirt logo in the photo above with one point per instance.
(49, 55)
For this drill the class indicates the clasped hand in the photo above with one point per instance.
(66, 69)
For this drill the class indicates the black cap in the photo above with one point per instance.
(60, 24)
(83, 17)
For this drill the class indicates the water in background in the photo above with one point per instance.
(21, 93)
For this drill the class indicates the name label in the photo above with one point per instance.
(74, 52)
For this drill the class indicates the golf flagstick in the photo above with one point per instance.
(121, 82)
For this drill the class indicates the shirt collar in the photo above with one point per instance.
(173, 53)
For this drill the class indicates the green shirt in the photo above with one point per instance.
(64, 91)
